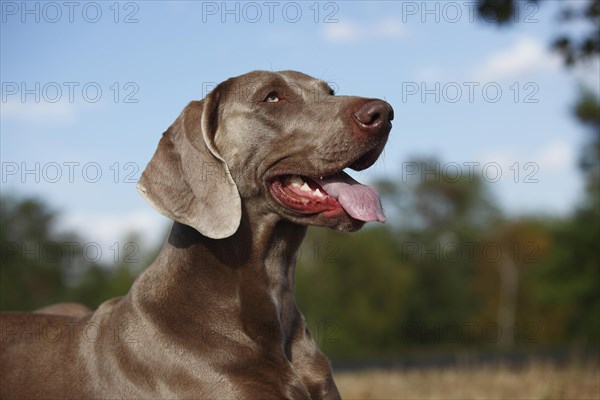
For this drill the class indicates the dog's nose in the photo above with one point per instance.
(374, 113)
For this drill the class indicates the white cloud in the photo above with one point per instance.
(61, 112)
(349, 31)
(556, 156)
(526, 56)
(104, 230)
(503, 158)
(540, 180)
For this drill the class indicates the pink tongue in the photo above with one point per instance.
(360, 201)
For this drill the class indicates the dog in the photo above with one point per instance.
(242, 173)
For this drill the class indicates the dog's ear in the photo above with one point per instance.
(187, 180)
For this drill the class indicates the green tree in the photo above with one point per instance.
(587, 112)
(565, 283)
(513, 248)
(352, 288)
(40, 266)
(34, 260)
(569, 280)
(442, 216)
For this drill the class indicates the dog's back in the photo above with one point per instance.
(34, 349)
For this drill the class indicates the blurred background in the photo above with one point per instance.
(485, 280)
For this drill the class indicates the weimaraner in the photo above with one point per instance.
(242, 173)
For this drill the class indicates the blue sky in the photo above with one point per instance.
(89, 87)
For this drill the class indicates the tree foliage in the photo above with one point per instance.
(40, 266)
(573, 49)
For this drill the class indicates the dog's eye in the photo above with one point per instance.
(272, 97)
(331, 92)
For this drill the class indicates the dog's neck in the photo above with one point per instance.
(244, 282)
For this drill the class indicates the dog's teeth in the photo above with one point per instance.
(318, 193)
(305, 188)
(296, 181)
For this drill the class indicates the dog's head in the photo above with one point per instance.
(282, 137)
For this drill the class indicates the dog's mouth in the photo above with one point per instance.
(333, 193)
(328, 195)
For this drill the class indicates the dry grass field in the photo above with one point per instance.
(535, 381)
